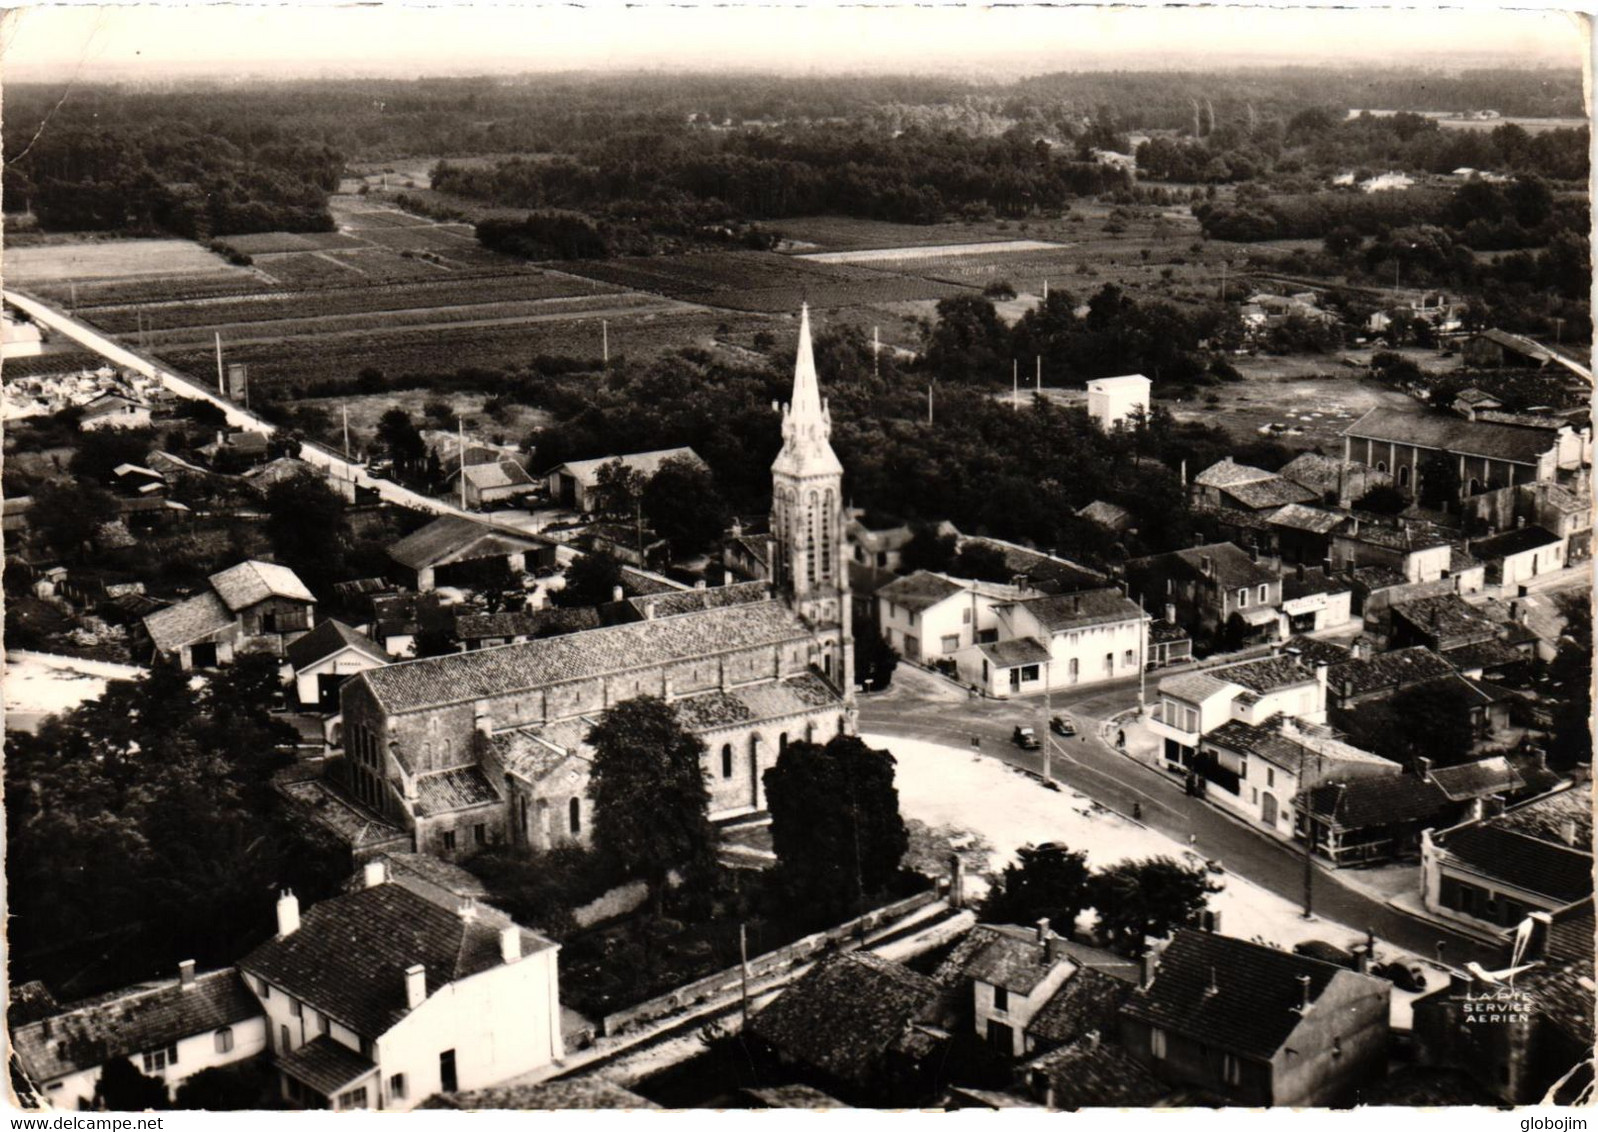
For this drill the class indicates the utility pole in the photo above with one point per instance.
(743, 964)
(346, 433)
(604, 341)
(876, 346)
(1048, 714)
(1015, 381)
(1142, 659)
(1045, 290)
(1223, 280)
(1309, 842)
(1040, 373)
(460, 431)
(929, 404)
(221, 385)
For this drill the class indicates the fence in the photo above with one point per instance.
(731, 980)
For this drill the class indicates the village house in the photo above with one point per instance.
(1523, 1031)
(1001, 976)
(1367, 678)
(1487, 455)
(1239, 487)
(463, 750)
(1193, 704)
(513, 627)
(1313, 600)
(860, 1027)
(1490, 349)
(1256, 1025)
(250, 608)
(882, 546)
(1303, 534)
(170, 1029)
(575, 485)
(492, 483)
(1489, 873)
(1440, 623)
(1110, 516)
(1168, 642)
(1258, 770)
(113, 410)
(1207, 585)
(1044, 571)
(1117, 401)
(1059, 641)
(453, 550)
(1093, 1073)
(1366, 820)
(929, 617)
(380, 998)
(1333, 480)
(326, 657)
(1518, 557)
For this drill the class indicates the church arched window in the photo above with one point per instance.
(576, 816)
(826, 537)
(810, 539)
(726, 760)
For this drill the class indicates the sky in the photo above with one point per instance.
(152, 42)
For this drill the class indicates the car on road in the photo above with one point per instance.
(1025, 738)
(1062, 725)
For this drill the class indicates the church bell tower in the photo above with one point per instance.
(807, 520)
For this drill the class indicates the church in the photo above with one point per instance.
(488, 747)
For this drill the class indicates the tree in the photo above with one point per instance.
(969, 344)
(682, 505)
(224, 1088)
(309, 531)
(618, 491)
(1439, 482)
(1045, 882)
(1426, 721)
(928, 550)
(591, 580)
(68, 515)
(440, 414)
(1150, 898)
(651, 801)
(1383, 499)
(1570, 681)
(100, 451)
(983, 562)
(397, 434)
(123, 1087)
(835, 826)
(874, 659)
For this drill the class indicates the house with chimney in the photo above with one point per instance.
(1059, 641)
(382, 997)
(1256, 1025)
(1332, 479)
(1523, 1031)
(1207, 585)
(454, 550)
(576, 484)
(1491, 872)
(1239, 487)
(1191, 705)
(1517, 557)
(170, 1029)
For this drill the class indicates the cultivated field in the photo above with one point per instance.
(1530, 125)
(112, 259)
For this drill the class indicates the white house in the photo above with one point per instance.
(1112, 400)
(112, 410)
(928, 617)
(1013, 972)
(1193, 704)
(382, 997)
(1060, 641)
(576, 484)
(1518, 556)
(327, 656)
(169, 1029)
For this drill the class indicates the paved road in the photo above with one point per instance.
(920, 707)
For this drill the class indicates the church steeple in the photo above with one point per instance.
(806, 423)
(807, 518)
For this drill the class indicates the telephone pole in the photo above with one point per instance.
(221, 385)
(604, 341)
(460, 431)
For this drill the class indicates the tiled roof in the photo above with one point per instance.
(1228, 473)
(143, 1017)
(1096, 1074)
(1161, 631)
(500, 473)
(1106, 514)
(1231, 519)
(845, 1014)
(1060, 612)
(1419, 1086)
(533, 753)
(451, 537)
(1315, 581)
(459, 788)
(350, 822)
(1447, 617)
(188, 621)
(1447, 433)
(1272, 746)
(646, 464)
(1373, 578)
(1518, 541)
(1229, 566)
(1017, 651)
(1477, 779)
(798, 695)
(325, 1065)
(1194, 687)
(1570, 934)
(1000, 955)
(1483, 654)
(349, 956)
(1268, 674)
(792, 1096)
(1406, 539)
(250, 583)
(1089, 1000)
(641, 583)
(525, 623)
(1560, 872)
(1546, 817)
(1319, 473)
(1475, 396)
(509, 669)
(920, 591)
(1233, 995)
(1298, 517)
(566, 1093)
(1044, 571)
(1365, 803)
(692, 601)
(1258, 495)
(1388, 670)
(328, 638)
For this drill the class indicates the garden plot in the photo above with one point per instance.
(112, 260)
(265, 243)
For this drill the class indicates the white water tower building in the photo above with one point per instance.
(1112, 400)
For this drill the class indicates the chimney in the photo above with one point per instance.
(1520, 521)
(510, 943)
(482, 718)
(1076, 605)
(465, 907)
(1206, 564)
(1567, 831)
(288, 914)
(1043, 930)
(1299, 569)
(1153, 949)
(701, 584)
(374, 873)
(1348, 691)
(415, 986)
(616, 593)
(1423, 768)
(1537, 942)
(1356, 648)
(956, 881)
(1303, 986)
(186, 974)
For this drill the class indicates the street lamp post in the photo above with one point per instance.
(1044, 731)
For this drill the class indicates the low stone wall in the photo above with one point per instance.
(730, 980)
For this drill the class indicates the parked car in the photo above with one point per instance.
(1062, 725)
(1025, 738)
